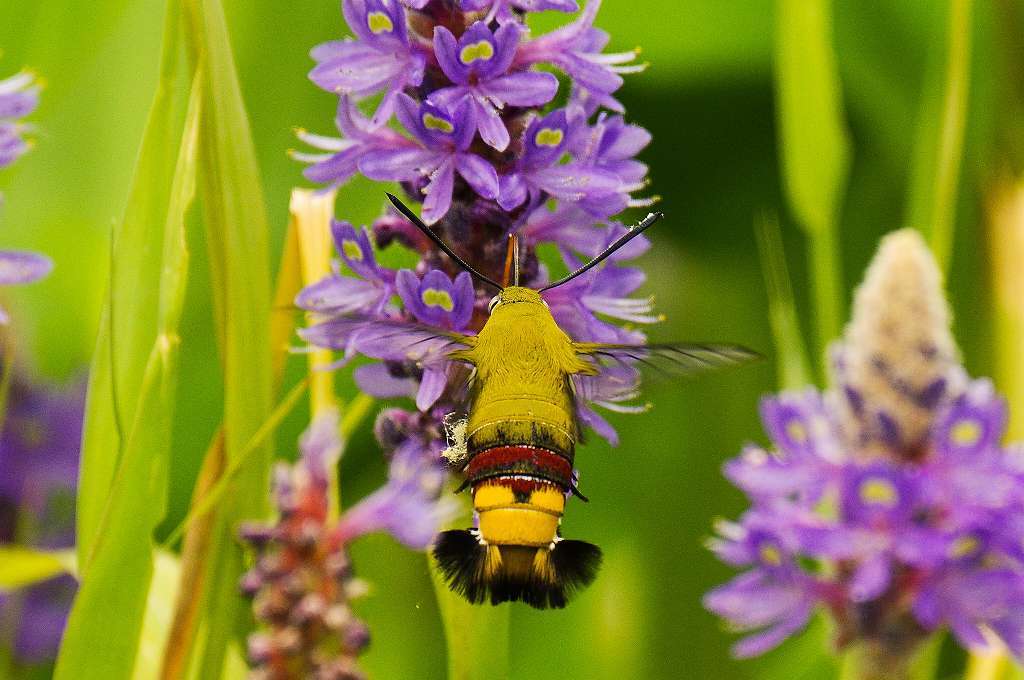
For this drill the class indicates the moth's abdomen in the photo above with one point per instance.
(522, 420)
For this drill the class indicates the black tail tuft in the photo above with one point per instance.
(576, 563)
(461, 559)
(542, 578)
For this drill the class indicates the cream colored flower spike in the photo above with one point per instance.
(897, 356)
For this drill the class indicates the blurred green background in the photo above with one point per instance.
(708, 99)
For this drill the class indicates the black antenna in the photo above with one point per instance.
(411, 216)
(619, 242)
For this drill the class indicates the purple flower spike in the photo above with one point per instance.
(445, 136)
(478, 64)
(381, 59)
(905, 507)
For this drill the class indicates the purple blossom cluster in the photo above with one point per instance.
(889, 500)
(302, 582)
(488, 153)
(19, 96)
(39, 450)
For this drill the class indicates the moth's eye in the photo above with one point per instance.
(494, 301)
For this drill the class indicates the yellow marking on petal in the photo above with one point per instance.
(770, 554)
(549, 137)
(432, 297)
(877, 491)
(481, 50)
(966, 433)
(964, 546)
(379, 22)
(352, 250)
(432, 122)
(796, 431)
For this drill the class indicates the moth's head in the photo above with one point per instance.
(511, 295)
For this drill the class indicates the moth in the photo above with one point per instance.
(517, 445)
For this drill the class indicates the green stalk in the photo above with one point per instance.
(792, 368)
(827, 286)
(814, 145)
(1006, 249)
(932, 205)
(867, 661)
(477, 637)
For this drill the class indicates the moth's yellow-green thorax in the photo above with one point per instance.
(521, 394)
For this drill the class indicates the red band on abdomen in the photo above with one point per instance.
(520, 460)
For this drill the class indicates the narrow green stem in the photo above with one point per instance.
(951, 130)
(477, 636)
(827, 286)
(870, 661)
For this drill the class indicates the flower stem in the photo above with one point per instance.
(1005, 208)
(870, 661)
(826, 281)
(477, 635)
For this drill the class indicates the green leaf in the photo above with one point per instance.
(156, 627)
(814, 145)
(128, 422)
(236, 228)
(813, 140)
(939, 146)
(20, 567)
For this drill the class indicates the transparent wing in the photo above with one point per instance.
(382, 338)
(671, 359)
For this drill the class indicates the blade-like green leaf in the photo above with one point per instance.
(156, 627)
(941, 121)
(129, 323)
(813, 143)
(236, 228)
(20, 567)
(793, 368)
(812, 134)
(103, 631)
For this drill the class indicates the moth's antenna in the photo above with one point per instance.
(411, 216)
(633, 232)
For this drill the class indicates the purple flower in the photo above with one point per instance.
(19, 96)
(538, 173)
(340, 294)
(445, 136)
(478, 63)
(341, 160)
(21, 267)
(502, 10)
(610, 146)
(39, 450)
(410, 506)
(774, 597)
(577, 50)
(895, 479)
(382, 58)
